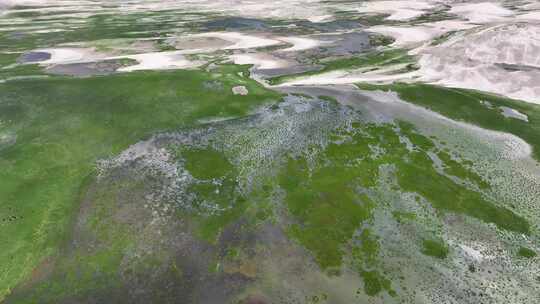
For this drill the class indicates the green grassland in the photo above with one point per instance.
(58, 128)
(435, 249)
(526, 252)
(328, 205)
(325, 175)
(469, 106)
(329, 191)
(64, 125)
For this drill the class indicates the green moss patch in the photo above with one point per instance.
(435, 248)
(526, 252)
(206, 163)
(326, 206)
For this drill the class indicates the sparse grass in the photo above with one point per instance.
(455, 168)
(442, 38)
(329, 99)
(328, 211)
(380, 40)
(374, 59)
(434, 16)
(97, 27)
(365, 258)
(418, 175)
(402, 217)
(465, 105)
